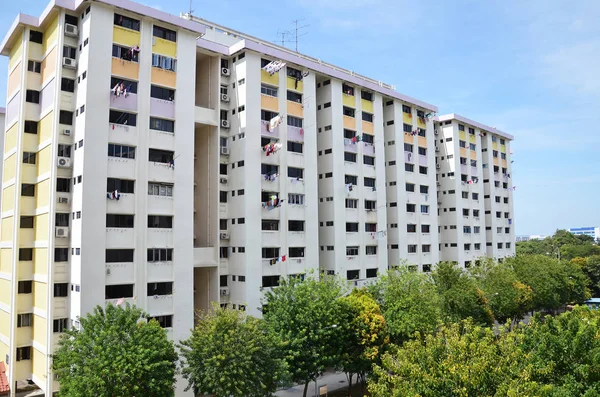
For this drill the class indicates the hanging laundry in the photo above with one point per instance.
(301, 131)
(380, 235)
(273, 67)
(348, 188)
(509, 221)
(114, 195)
(281, 258)
(347, 141)
(272, 262)
(274, 122)
(172, 164)
(120, 301)
(354, 140)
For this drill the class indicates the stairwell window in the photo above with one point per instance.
(32, 96)
(33, 66)
(164, 62)
(24, 320)
(36, 37)
(24, 353)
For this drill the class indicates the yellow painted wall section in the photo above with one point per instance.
(503, 148)
(349, 100)
(50, 35)
(44, 160)
(39, 365)
(39, 324)
(45, 127)
(49, 65)
(40, 300)
(269, 102)
(16, 51)
(6, 260)
(421, 123)
(126, 69)
(407, 118)
(42, 194)
(29, 173)
(350, 123)
(367, 106)
(295, 109)
(495, 145)
(367, 127)
(10, 168)
(504, 164)
(40, 261)
(164, 77)
(472, 139)
(10, 139)
(473, 155)
(462, 135)
(41, 227)
(5, 288)
(496, 161)
(266, 78)
(30, 142)
(164, 47)
(8, 198)
(14, 80)
(291, 84)
(126, 37)
(7, 229)
(5, 323)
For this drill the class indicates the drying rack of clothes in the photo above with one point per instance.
(114, 195)
(274, 202)
(281, 258)
(273, 67)
(274, 122)
(378, 235)
(120, 89)
(270, 177)
(272, 148)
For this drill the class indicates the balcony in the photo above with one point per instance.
(349, 100)
(295, 109)
(366, 105)
(295, 134)
(293, 85)
(421, 122)
(159, 304)
(126, 69)
(124, 102)
(117, 237)
(125, 204)
(350, 123)
(264, 130)
(269, 102)
(367, 127)
(159, 237)
(269, 79)
(162, 108)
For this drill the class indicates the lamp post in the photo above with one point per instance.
(316, 379)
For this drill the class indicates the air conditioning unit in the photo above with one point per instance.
(223, 179)
(225, 97)
(438, 166)
(69, 63)
(67, 132)
(71, 30)
(224, 236)
(63, 200)
(225, 72)
(62, 232)
(224, 123)
(437, 148)
(225, 151)
(224, 292)
(64, 162)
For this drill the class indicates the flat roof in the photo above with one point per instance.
(454, 116)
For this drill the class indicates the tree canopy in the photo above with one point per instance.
(116, 353)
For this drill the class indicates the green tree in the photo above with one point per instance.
(305, 314)
(231, 354)
(570, 251)
(116, 353)
(409, 302)
(460, 297)
(591, 267)
(461, 359)
(363, 333)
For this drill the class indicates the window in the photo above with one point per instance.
(27, 190)
(32, 96)
(118, 291)
(69, 52)
(266, 115)
(424, 209)
(270, 281)
(410, 207)
(348, 111)
(370, 227)
(23, 353)
(462, 144)
(351, 179)
(130, 86)
(367, 117)
(163, 321)
(409, 167)
(351, 227)
(119, 221)
(350, 157)
(296, 226)
(270, 253)
(296, 252)
(25, 254)
(123, 118)
(164, 62)
(125, 53)
(294, 121)
(33, 66)
(295, 172)
(127, 22)
(64, 151)
(24, 320)
(60, 324)
(476, 213)
(36, 37)
(412, 248)
(61, 254)
(369, 160)
(370, 205)
(224, 251)
(164, 33)
(268, 90)
(294, 96)
(121, 185)
(25, 287)
(349, 134)
(352, 251)
(475, 196)
(160, 254)
(297, 199)
(410, 187)
(162, 124)
(407, 127)
(425, 248)
(347, 89)
(477, 246)
(369, 182)
(411, 228)
(368, 138)
(162, 288)
(160, 221)
(121, 151)
(61, 290)
(119, 255)
(422, 170)
(476, 229)
(163, 93)
(160, 156)
(351, 203)
(467, 229)
(222, 197)
(26, 222)
(295, 147)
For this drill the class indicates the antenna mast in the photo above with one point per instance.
(297, 28)
(191, 11)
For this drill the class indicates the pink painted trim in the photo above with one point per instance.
(2, 110)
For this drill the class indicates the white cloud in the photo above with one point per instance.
(574, 67)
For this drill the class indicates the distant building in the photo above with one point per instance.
(591, 231)
(529, 237)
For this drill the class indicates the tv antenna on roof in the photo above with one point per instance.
(296, 34)
(281, 37)
(190, 11)
(296, 30)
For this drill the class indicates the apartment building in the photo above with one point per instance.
(474, 190)
(185, 163)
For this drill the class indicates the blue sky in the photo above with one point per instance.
(521, 66)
